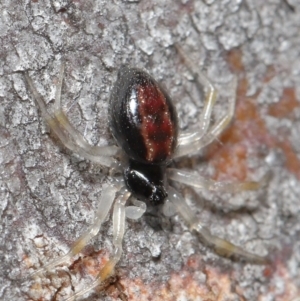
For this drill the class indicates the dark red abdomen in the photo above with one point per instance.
(143, 119)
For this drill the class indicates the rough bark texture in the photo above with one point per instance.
(48, 196)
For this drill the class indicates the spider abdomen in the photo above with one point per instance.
(143, 118)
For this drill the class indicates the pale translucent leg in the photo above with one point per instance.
(105, 203)
(168, 208)
(196, 133)
(186, 146)
(118, 234)
(66, 133)
(221, 246)
(195, 180)
(136, 210)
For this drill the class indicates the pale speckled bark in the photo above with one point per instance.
(47, 195)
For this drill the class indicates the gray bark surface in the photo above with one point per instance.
(48, 195)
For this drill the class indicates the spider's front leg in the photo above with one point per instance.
(66, 133)
(221, 246)
(193, 143)
(193, 140)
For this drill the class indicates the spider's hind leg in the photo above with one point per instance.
(118, 234)
(105, 203)
(219, 245)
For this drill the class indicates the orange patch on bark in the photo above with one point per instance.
(286, 105)
(209, 283)
(193, 282)
(248, 130)
(91, 264)
(292, 161)
(284, 109)
(234, 59)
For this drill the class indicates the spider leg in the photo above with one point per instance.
(196, 143)
(66, 133)
(221, 246)
(136, 210)
(196, 133)
(105, 203)
(197, 181)
(118, 234)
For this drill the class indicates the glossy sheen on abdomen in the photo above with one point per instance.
(143, 119)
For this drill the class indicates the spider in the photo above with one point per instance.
(144, 124)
